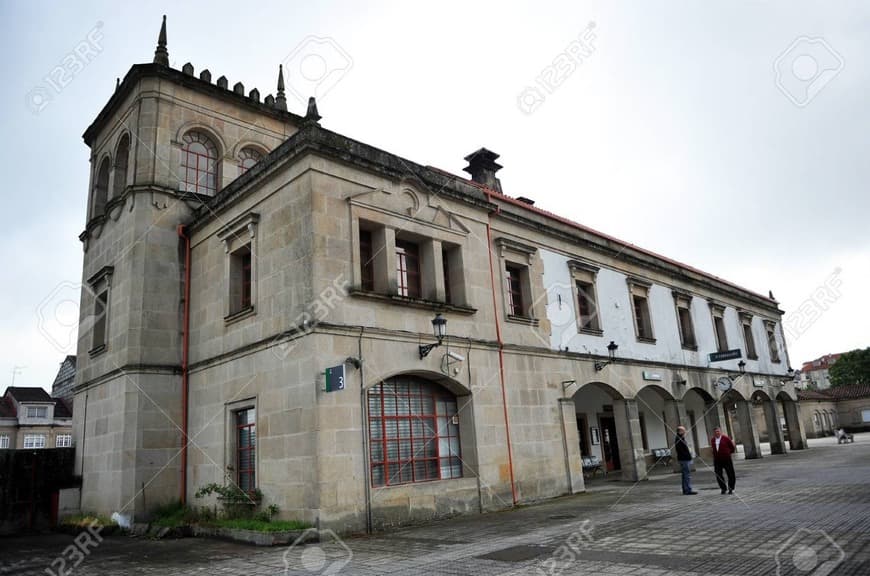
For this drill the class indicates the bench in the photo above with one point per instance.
(662, 455)
(845, 437)
(591, 465)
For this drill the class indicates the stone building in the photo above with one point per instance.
(825, 411)
(277, 293)
(30, 418)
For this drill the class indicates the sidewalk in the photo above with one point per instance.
(807, 507)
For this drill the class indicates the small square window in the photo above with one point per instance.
(63, 441)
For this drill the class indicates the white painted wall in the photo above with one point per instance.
(618, 324)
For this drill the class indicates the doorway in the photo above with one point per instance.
(609, 444)
(583, 432)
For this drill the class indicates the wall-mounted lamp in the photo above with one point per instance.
(742, 367)
(611, 351)
(439, 328)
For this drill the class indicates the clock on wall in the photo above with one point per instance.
(724, 384)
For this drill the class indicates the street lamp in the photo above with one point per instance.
(611, 351)
(439, 328)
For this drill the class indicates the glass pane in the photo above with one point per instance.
(392, 429)
(405, 451)
(375, 429)
(392, 450)
(377, 452)
(378, 475)
(404, 428)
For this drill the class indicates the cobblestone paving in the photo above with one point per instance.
(806, 513)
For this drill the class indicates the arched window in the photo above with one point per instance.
(101, 188)
(198, 164)
(247, 158)
(413, 432)
(122, 157)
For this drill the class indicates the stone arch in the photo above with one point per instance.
(122, 161)
(703, 414)
(194, 126)
(606, 421)
(242, 144)
(101, 186)
(658, 417)
(418, 429)
(767, 420)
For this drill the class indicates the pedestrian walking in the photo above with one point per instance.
(723, 448)
(684, 457)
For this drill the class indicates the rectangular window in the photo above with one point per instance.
(513, 276)
(37, 411)
(771, 341)
(246, 449)
(34, 441)
(4, 441)
(240, 279)
(100, 304)
(63, 441)
(749, 340)
(587, 306)
(445, 264)
(683, 302)
(721, 337)
(408, 269)
(367, 263)
(642, 323)
(865, 415)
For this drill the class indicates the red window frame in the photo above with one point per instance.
(408, 269)
(367, 264)
(398, 455)
(198, 167)
(515, 291)
(246, 452)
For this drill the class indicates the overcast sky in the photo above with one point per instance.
(731, 136)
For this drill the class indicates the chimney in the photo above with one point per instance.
(482, 166)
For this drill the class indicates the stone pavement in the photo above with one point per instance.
(805, 513)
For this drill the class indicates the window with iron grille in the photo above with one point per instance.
(413, 432)
(367, 261)
(408, 269)
(513, 276)
(246, 449)
(198, 164)
(247, 158)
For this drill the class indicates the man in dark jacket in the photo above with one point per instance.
(684, 457)
(723, 447)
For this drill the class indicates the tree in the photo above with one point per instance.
(851, 368)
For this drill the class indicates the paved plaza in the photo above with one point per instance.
(805, 513)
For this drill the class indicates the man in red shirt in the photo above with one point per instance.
(723, 448)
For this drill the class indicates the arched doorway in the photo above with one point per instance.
(658, 418)
(740, 424)
(766, 418)
(596, 423)
(703, 414)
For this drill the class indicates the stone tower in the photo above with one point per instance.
(164, 142)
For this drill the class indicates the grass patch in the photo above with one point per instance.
(173, 515)
(260, 525)
(87, 520)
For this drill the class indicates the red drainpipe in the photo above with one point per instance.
(185, 345)
(500, 350)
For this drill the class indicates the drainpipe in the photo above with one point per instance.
(365, 433)
(185, 347)
(500, 349)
